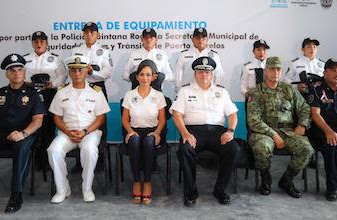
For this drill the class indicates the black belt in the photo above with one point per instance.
(204, 127)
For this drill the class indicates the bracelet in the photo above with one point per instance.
(230, 130)
(86, 132)
(24, 134)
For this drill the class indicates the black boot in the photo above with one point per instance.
(286, 183)
(265, 182)
(14, 203)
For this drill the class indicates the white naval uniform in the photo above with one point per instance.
(201, 107)
(79, 110)
(159, 57)
(144, 112)
(303, 63)
(46, 63)
(98, 55)
(248, 76)
(184, 73)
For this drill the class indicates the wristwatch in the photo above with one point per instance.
(24, 134)
(230, 130)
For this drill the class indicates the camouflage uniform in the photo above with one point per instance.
(278, 111)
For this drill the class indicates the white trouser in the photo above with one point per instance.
(57, 151)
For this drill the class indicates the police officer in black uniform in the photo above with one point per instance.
(323, 102)
(21, 114)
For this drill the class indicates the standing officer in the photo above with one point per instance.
(183, 71)
(101, 67)
(79, 110)
(199, 114)
(21, 112)
(252, 72)
(308, 63)
(43, 62)
(278, 117)
(159, 57)
(322, 100)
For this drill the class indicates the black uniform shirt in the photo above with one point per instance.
(18, 106)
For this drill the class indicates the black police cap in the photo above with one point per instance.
(260, 43)
(308, 41)
(204, 63)
(13, 60)
(90, 26)
(200, 32)
(331, 63)
(39, 35)
(149, 31)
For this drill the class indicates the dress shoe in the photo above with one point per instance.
(14, 203)
(190, 201)
(289, 188)
(222, 198)
(88, 196)
(60, 196)
(331, 196)
(265, 189)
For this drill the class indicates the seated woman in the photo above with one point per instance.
(144, 120)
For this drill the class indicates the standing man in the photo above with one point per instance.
(101, 66)
(323, 132)
(199, 114)
(308, 63)
(79, 110)
(183, 71)
(278, 117)
(149, 51)
(21, 112)
(252, 72)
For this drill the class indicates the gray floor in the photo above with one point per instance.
(245, 205)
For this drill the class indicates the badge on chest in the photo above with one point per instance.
(2, 100)
(25, 100)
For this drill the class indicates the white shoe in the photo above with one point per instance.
(60, 197)
(88, 196)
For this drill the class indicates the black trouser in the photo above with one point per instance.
(330, 162)
(208, 138)
(21, 151)
(141, 153)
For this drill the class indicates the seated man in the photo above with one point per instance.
(324, 130)
(21, 111)
(79, 110)
(199, 114)
(278, 117)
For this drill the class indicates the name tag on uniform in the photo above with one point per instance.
(2, 100)
(192, 98)
(90, 100)
(300, 66)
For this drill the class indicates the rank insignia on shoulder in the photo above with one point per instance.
(26, 54)
(97, 88)
(62, 86)
(220, 86)
(54, 54)
(249, 62)
(184, 51)
(214, 51)
(105, 47)
(186, 85)
(295, 59)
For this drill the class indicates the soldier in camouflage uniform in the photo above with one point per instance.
(278, 117)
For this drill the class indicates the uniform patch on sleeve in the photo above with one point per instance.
(310, 98)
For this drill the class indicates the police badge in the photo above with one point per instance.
(50, 59)
(326, 3)
(99, 52)
(2, 100)
(217, 94)
(159, 57)
(25, 100)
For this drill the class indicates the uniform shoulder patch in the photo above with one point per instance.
(62, 86)
(184, 50)
(105, 46)
(220, 86)
(321, 60)
(26, 54)
(186, 85)
(249, 62)
(295, 59)
(78, 45)
(214, 51)
(54, 54)
(95, 87)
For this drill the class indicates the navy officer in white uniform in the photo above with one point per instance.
(199, 113)
(79, 110)
(183, 72)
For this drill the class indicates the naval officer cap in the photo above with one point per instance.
(77, 62)
(204, 63)
(90, 26)
(273, 62)
(307, 41)
(149, 31)
(13, 60)
(260, 43)
(200, 32)
(39, 35)
(330, 64)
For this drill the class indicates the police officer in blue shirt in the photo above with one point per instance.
(21, 114)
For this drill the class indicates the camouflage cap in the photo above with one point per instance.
(273, 62)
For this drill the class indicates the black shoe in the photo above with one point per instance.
(331, 196)
(14, 203)
(289, 188)
(265, 189)
(189, 202)
(222, 198)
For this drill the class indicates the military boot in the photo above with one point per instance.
(286, 183)
(265, 182)
(14, 203)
